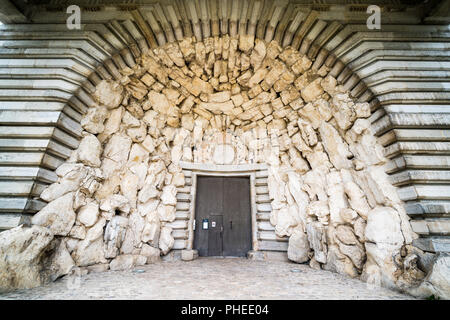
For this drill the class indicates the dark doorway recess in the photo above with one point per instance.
(223, 216)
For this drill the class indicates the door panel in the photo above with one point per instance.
(215, 236)
(209, 200)
(237, 235)
(225, 202)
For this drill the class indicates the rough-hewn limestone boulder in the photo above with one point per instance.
(436, 282)
(153, 254)
(89, 151)
(384, 240)
(109, 94)
(30, 257)
(317, 241)
(127, 261)
(71, 176)
(94, 119)
(298, 248)
(61, 261)
(58, 215)
(166, 240)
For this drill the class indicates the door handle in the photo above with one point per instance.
(231, 225)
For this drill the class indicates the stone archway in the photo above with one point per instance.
(117, 194)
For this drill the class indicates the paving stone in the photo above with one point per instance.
(211, 278)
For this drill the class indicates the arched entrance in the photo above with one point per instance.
(246, 103)
(332, 147)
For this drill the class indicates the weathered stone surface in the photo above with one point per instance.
(61, 262)
(337, 200)
(178, 179)
(383, 226)
(384, 240)
(117, 148)
(301, 65)
(312, 91)
(93, 120)
(114, 203)
(356, 199)
(246, 42)
(152, 230)
(258, 54)
(166, 212)
(223, 154)
(308, 133)
(335, 147)
(88, 214)
(78, 232)
(298, 248)
(340, 263)
(129, 187)
(101, 267)
(345, 235)
(148, 207)
(23, 254)
(112, 123)
(362, 110)
(58, 215)
(329, 84)
(348, 215)
(114, 235)
(320, 210)
(91, 250)
(359, 226)
(437, 282)
(166, 240)
(189, 255)
(168, 196)
(89, 151)
(218, 107)
(133, 235)
(153, 254)
(317, 240)
(109, 94)
(148, 192)
(137, 134)
(285, 223)
(343, 107)
(72, 177)
(355, 253)
(159, 102)
(122, 262)
(381, 267)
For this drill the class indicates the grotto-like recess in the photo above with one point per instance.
(115, 197)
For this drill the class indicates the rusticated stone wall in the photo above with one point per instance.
(233, 101)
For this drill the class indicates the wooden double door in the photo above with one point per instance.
(223, 216)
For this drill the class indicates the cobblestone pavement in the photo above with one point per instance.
(210, 278)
